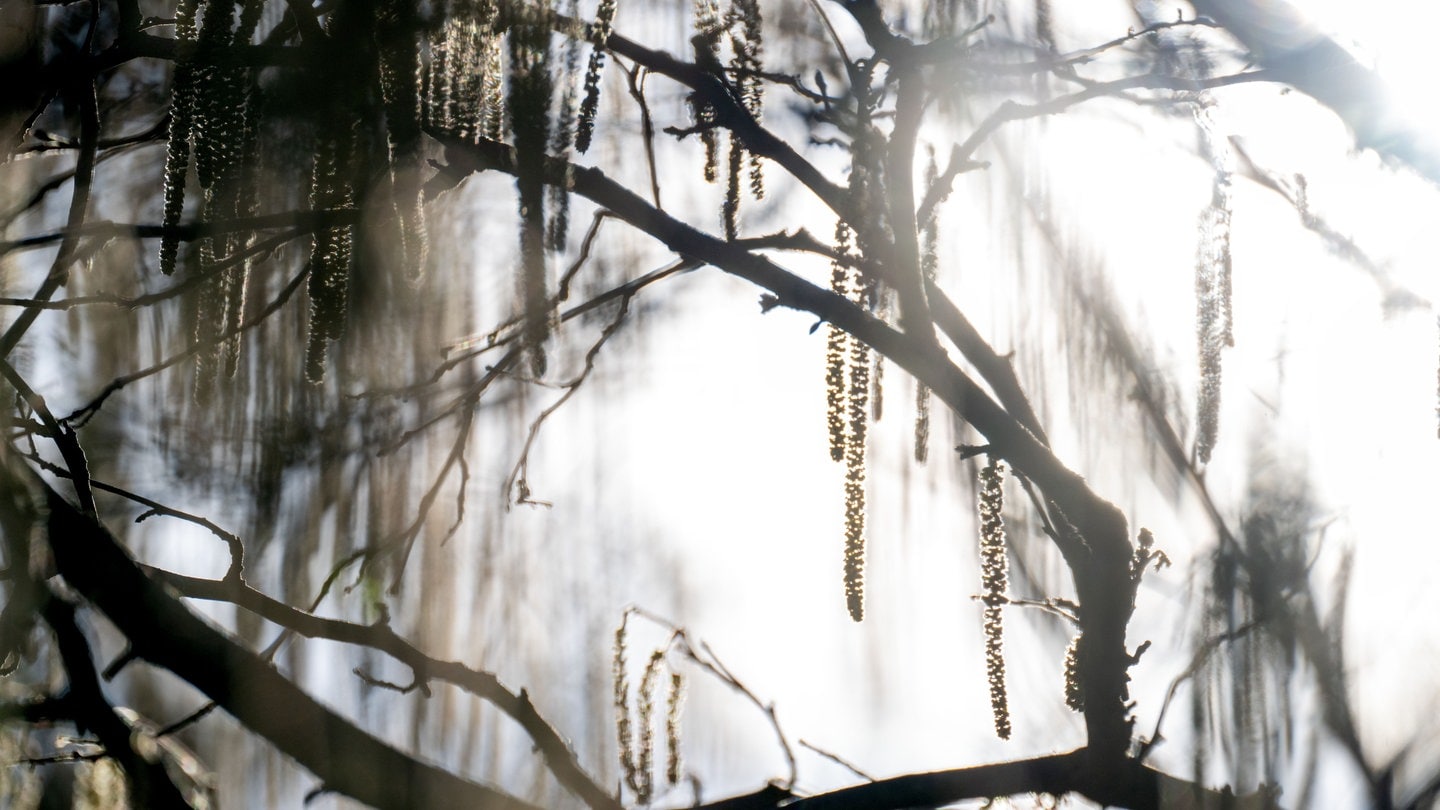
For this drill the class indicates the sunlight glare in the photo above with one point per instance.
(1396, 39)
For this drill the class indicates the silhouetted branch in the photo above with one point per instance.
(1101, 574)
(84, 88)
(517, 483)
(1295, 52)
(165, 633)
(155, 508)
(148, 784)
(381, 637)
(838, 760)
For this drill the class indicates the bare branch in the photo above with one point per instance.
(165, 633)
(381, 637)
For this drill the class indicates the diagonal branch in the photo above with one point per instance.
(1101, 571)
(1298, 54)
(167, 634)
(729, 112)
(558, 754)
(148, 784)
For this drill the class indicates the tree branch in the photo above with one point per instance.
(167, 634)
(1138, 787)
(1101, 573)
(557, 753)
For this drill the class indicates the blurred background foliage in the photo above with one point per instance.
(359, 381)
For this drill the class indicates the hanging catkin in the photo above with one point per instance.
(177, 155)
(993, 565)
(747, 42)
(1212, 285)
(847, 392)
(706, 42)
(331, 254)
(855, 440)
(599, 32)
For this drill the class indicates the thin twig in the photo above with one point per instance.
(706, 659)
(838, 760)
(518, 482)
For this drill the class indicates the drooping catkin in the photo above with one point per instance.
(331, 254)
(212, 92)
(464, 106)
(599, 33)
(646, 708)
(747, 43)
(995, 673)
(847, 393)
(855, 535)
(706, 42)
(462, 89)
(993, 573)
(229, 192)
(673, 703)
(858, 413)
(1213, 314)
(177, 155)
(240, 191)
(623, 732)
(730, 210)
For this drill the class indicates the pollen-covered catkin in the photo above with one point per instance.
(706, 42)
(177, 155)
(747, 42)
(645, 790)
(1212, 285)
(855, 452)
(600, 31)
(730, 211)
(672, 728)
(993, 572)
(847, 397)
(331, 254)
(623, 732)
